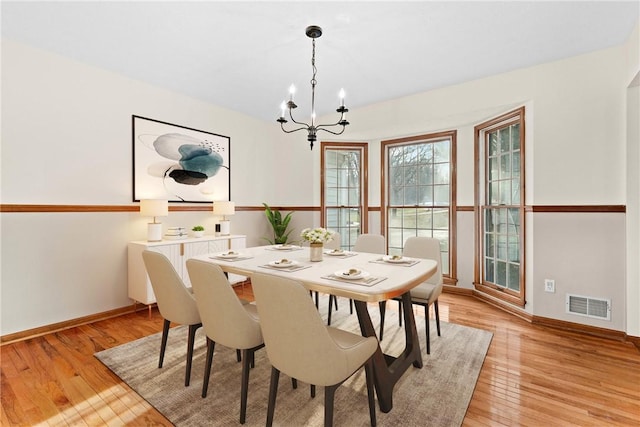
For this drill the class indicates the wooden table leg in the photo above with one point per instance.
(388, 369)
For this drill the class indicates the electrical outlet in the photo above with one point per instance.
(549, 285)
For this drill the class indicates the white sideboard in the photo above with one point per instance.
(178, 252)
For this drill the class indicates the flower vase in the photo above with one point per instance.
(315, 251)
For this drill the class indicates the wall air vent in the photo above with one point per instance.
(596, 308)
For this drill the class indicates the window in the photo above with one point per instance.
(419, 183)
(500, 207)
(344, 190)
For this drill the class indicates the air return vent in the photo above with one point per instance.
(589, 307)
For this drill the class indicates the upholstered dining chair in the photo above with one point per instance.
(370, 243)
(300, 345)
(226, 321)
(175, 303)
(426, 293)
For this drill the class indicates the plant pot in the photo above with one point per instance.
(198, 233)
(315, 251)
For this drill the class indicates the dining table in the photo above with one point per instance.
(362, 277)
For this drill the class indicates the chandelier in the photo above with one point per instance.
(312, 129)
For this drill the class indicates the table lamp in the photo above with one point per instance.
(224, 208)
(154, 208)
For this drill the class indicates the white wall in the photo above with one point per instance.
(66, 139)
(633, 184)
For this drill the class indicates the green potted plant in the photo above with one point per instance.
(279, 224)
(198, 231)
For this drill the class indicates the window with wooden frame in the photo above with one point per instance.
(500, 208)
(419, 193)
(344, 189)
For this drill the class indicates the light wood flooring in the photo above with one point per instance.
(532, 375)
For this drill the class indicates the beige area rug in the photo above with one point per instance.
(436, 395)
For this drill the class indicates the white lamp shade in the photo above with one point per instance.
(154, 207)
(224, 208)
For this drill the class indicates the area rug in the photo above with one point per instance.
(436, 395)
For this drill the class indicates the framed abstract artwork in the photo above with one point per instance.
(178, 163)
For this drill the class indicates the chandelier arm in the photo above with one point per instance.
(293, 130)
(297, 122)
(332, 124)
(330, 131)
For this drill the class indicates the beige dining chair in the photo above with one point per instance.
(369, 243)
(226, 321)
(426, 293)
(301, 346)
(175, 303)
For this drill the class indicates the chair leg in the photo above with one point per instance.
(273, 391)
(427, 326)
(350, 306)
(313, 391)
(435, 306)
(247, 355)
(238, 356)
(329, 393)
(335, 301)
(383, 310)
(368, 372)
(211, 345)
(400, 316)
(190, 343)
(163, 344)
(294, 383)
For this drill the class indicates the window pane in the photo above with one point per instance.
(410, 196)
(515, 192)
(396, 196)
(425, 195)
(343, 196)
(494, 193)
(441, 194)
(395, 157)
(441, 219)
(505, 166)
(441, 151)
(501, 273)
(488, 248)
(410, 155)
(504, 140)
(395, 217)
(425, 219)
(411, 175)
(489, 270)
(330, 159)
(494, 173)
(441, 173)
(505, 192)
(354, 197)
(514, 276)
(493, 144)
(425, 174)
(516, 164)
(331, 196)
(515, 136)
(489, 221)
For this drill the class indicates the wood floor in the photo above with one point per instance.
(532, 375)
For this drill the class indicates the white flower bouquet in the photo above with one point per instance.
(316, 235)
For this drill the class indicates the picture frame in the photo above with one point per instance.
(179, 163)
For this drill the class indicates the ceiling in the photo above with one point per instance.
(244, 55)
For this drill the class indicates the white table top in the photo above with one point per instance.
(399, 278)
